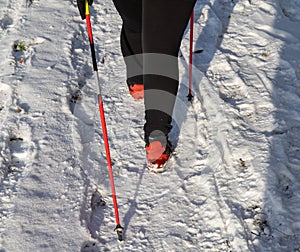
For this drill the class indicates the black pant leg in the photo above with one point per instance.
(164, 22)
(131, 38)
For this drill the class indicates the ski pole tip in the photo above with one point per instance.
(190, 97)
(119, 230)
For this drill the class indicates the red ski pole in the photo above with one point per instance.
(190, 96)
(118, 228)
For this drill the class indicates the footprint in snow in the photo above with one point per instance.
(5, 22)
(89, 246)
(17, 153)
(5, 100)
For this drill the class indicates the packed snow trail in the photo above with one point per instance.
(233, 184)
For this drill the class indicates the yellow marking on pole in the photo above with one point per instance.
(87, 10)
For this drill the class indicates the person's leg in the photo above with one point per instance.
(131, 39)
(164, 22)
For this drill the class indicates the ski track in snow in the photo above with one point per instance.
(233, 184)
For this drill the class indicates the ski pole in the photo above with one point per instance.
(190, 96)
(118, 228)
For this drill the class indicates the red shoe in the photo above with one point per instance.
(157, 155)
(137, 91)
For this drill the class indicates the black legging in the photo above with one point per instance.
(150, 40)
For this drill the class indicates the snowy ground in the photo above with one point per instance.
(234, 184)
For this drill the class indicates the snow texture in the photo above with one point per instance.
(234, 183)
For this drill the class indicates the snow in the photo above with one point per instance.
(233, 184)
